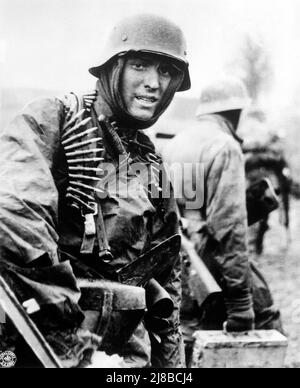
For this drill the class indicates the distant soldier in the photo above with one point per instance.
(219, 228)
(265, 158)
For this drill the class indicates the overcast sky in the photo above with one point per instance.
(51, 43)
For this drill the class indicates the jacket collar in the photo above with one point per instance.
(227, 127)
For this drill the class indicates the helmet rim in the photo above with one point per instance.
(222, 95)
(186, 83)
(146, 33)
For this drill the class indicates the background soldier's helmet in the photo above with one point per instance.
(228, 93)
(150, 34)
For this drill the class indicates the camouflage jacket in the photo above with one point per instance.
(219, 227)
(39, 217)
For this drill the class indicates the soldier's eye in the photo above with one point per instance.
(139, 65)
(165, 70)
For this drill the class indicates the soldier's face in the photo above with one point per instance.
(145, 80)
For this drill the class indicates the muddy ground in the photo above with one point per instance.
(280, 264)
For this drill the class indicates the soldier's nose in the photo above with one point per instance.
(152, 78)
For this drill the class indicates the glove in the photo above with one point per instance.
(240, 314)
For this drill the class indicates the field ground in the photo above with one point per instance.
(281, 267)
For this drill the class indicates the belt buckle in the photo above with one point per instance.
(89, 221)
(92, 209)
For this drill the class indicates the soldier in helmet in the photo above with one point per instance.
(63, 219)
(265, 157)
(219, 228)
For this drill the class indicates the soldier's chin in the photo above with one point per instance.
(142, 114)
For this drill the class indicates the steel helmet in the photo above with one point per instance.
(147, 33)
(227, 93)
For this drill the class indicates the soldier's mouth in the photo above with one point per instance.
(147, 99)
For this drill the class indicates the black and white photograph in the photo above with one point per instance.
(149, 187)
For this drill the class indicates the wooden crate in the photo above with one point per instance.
(256, 349)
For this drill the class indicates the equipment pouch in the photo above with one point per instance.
(120, 309)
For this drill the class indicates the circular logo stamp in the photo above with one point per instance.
(8, 359)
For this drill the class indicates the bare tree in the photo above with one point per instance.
(254, 66)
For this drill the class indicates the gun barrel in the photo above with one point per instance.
(26, 327)
(159, 302)
(201, 281)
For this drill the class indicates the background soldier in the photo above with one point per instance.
(219, 228)
(55, 220)
(265, 158)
